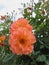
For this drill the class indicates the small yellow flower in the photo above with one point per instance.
(2, 38)
(0, 41)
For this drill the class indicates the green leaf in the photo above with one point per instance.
(8, 57)
(41, 58)
(47, 62)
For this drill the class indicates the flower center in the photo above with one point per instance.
(22, 41)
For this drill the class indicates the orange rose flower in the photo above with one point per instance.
(2, 38)
(21, 23)
(21, 39)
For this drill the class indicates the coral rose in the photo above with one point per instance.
(21, 39)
